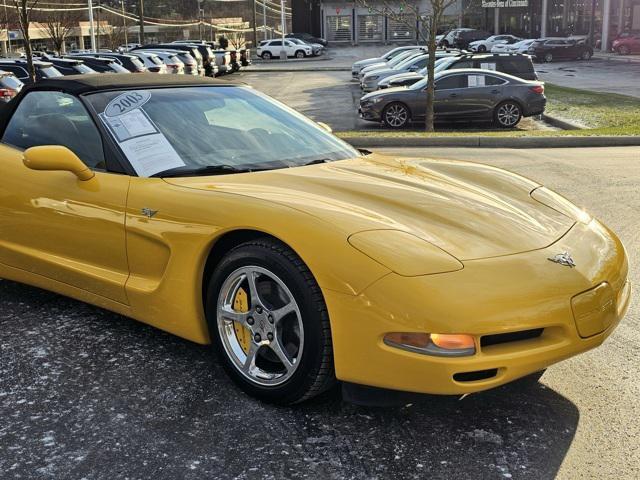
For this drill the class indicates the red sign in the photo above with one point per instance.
(337, 11)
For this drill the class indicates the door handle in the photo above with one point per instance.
(495, 92)
(453, 94)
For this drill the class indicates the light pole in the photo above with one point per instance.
(255, 28)
(283, 52)
(264, 19)
(92, 31)
(141, 19)
(124, 24)
(200, 18)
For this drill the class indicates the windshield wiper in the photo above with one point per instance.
(315, 162)
(207, 170)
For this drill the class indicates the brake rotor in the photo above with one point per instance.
(241, 305)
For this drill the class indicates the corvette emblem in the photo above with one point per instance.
(564, 258)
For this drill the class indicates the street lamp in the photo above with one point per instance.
(283, 52)
(92, 32)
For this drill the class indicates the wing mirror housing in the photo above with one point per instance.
(325, 127)
(56, 158)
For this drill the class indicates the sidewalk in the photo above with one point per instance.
(614, 57)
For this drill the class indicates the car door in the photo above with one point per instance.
(448, 95)
(477, 96)
(51, 223)
(290, 47)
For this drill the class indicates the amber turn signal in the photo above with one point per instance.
(452, 342)
(439, 344)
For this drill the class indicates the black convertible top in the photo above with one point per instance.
(79, 84)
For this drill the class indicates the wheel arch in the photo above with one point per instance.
(223, 244)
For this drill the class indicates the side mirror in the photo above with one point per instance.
(56, 157)
(325, 127)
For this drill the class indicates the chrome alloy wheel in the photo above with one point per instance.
(396, 116)
(264, 339)
(508, 114)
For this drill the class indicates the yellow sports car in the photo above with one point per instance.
(210, 211)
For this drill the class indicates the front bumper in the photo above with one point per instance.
(370, 112)
(493, 296)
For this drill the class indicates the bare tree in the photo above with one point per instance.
(24, 9)
(58, 24)
(408, 13)
(112, 31)
(237, 40)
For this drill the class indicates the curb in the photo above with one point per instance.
(495, 142)
(559, 123)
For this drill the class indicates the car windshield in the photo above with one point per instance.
(82, 68)
(407, 63)
(444, 63)
(50, 72)
(420, 84)
(205, 130)
(9, 81)
(116, 67)
(137, 63)
(400, 58)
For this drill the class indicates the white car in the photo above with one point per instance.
(128, 46)
(519, 47)
(387, 57)
(488, 43)
(272, 48)
(172, 63)
(151, 60)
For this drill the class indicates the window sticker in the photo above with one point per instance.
(488, 66)
(476, 80)
(126, 102)
(144, 145)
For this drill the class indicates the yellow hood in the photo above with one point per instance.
(469, 210)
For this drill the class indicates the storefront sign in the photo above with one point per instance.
(504, 3)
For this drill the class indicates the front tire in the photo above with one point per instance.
(482, 48)
(269, 324)
(586, 55)
(507, 114)
(623, 50)
(300, 54)
(396, 115)
(266, 55)
(548, 57)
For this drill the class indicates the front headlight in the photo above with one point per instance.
(375, 77)
(560, 204)
(404, 253)
(377, 99)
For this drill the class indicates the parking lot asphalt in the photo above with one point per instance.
(332, 98)
(85, 393)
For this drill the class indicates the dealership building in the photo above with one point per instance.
(342, 22)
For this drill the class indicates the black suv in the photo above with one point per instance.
(462, 37)
(515, 64)
(550, 49)
(68, 66)
(101, 64)
(20, 69)
(130, 62)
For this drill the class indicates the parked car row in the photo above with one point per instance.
(542, 49)
(294, 45)
(502, 88)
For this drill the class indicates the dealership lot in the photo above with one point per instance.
(332, 98)
(82, 388)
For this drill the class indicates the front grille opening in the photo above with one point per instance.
(499, 338)
(474, 376)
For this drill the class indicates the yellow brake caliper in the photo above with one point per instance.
(241, 305)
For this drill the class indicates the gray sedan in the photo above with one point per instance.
(461, 95)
